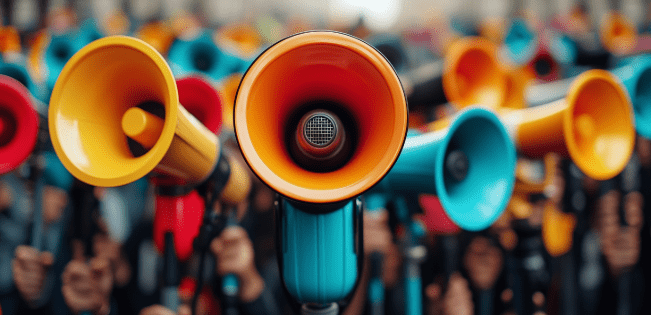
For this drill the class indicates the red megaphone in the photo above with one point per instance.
(544, 66)
(181, 211)
(18, 124)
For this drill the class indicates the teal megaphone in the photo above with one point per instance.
(470, 166)
(201, 55)
(520, 42)
(57, 53)
(635, 74)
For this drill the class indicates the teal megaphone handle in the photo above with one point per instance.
(230, 284)
(319, 253)
(635, 74)
(414, 253)
(375, 203)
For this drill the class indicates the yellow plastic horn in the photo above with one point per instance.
(115, 95)
(593, 124)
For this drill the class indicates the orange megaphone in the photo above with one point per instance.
(618, 35)
(18, 124)
(593, 124)
(344, 106)
(115, 116)
(472, 75)
(157, 34)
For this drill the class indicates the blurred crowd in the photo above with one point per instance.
(566, 243)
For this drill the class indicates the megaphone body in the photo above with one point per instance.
(18, 124)
(520, 42)
(469, 166)
(593, 125)
(201, 55)
(57, 52)
(347, 92)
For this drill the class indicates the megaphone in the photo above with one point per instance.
(135, 110)
(18, 124)
(157, 34)
(618, 35)
(544, 66)
(59, 50)
(201, 55)
(470, 167)
(320, 141)
(18, 71)
(472, 76)
(520, 42)
(636, 77)
(593, 124)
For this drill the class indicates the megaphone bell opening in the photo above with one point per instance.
(62, 52)
(202, 57)
(543, 67)
(16, 74)
(156, 109)
(456, 165)
(7, 127)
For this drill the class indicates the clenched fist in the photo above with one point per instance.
(87, 287)
(30, 270)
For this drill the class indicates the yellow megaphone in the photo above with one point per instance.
(115, 116)
(618, 35)
(593, 124)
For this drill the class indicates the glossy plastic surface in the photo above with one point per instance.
(18, 124)
(181, 215)
(635, 74)
(96, 87)
(472, 76)
(476, 201)
(319, 261)
(316, 66)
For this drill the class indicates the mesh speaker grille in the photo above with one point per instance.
(320, 130)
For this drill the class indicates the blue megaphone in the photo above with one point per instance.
(56, 55)
(201, 55)
(635, 74)
(18, 72)
(87, 33)
(470, 166)
(520, 42)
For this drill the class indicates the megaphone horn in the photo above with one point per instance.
(18, 124)
(470, 167)
(134, 97)
(636, 77)
(593, 124)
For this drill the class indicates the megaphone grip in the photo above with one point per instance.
(238, 185)
(142, 126)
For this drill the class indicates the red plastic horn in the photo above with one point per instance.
(18, 124)
(202, 101)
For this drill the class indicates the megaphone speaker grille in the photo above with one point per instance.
(599, 127)
(320, 130)
(320, 71)
(94, 91)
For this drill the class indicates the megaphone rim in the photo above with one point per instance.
(29, 131)
(461, 118)
(574, 92)
(165, 139)
(257, 165)
(630, 73)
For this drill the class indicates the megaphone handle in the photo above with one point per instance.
(376, 285)
(169, 293)
(413, 280)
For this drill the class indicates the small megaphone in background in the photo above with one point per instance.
(617, 34)
(18, 124)
(635, 74)
(393, 49)
(544, 66)
(593, 124)
(201, 55)
(48, 58)
(320, 141)
(469, 166)
(157, 34)
(9, 42)
(241, 39)
(520, 42)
